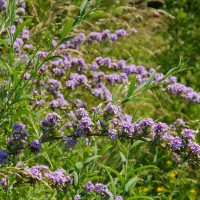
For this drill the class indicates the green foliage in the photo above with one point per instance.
(135, 171)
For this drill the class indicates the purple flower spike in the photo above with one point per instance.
(4, 157)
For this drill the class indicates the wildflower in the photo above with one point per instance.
(4, 157)
(88, 186)
(160, 189)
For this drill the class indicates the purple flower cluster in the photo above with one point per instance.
(80, 113)
(60, 102)
(53, 86)
(127, 128)
(188, 92)
(3, 182)
(76, 80)
(111, 110)
(100, 189)
(57, 178)
(188, 134)
(160, 128)
(112, 134)
(49, 124)
(115, 125)
(179, 123)
(36, 146)
(85, 126)
(18, 141)
(146, 125)
(176, 143)
(2, 4)
(70, 142)
(77, 197)
(4, 157)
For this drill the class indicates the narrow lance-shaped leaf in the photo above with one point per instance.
(145, 167)
(186, 62)
(131, 184)
(5, 44)
(96, 15)
(136, 144)
(121, 178)
(24, 17)
(67, 28)
(65, 40)
(13, 13)
(112, 183)
(20, 28)
(92, 178)
(149, 81)
(25, 1)
(77, 20)
(139, 98)
(89, 160)
(53, 57)
(75, 179)
(21, 62)
(84, 6)
(134, 115)
(97, 2)
(157, 84)
(123, 157)
(132, 86)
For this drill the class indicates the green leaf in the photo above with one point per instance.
(98, 1)
(139, 197)
(123, 157)
(112, 183)
(67, 28)
(77, 20)
(145, 167)
(132, 86)
(84, 6)
(114, 99)
(121, 178)
(21, 98)
(20, 28)
(21, 112)
(13, 72)
(157, 84)
(21, 62)
(131, 183)
(139, 88)
(53, 57)
(149, 81)
(69, 161)
(75, 179)
(49, 41)
(89, 160)
(2, 23)
(133, 171)
(65, 40)
(135, 144)
(139, 98)
(96, 15)
(134, 115)
(13, 12)
(105, 149)
(5, 44)
(187, 61)
(25, 2)
(24, 17)
(92, 178)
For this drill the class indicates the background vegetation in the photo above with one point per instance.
(167, 32)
